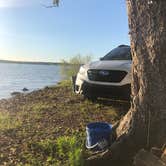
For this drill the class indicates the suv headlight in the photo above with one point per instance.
(82, 70)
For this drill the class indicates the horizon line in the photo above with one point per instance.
(32, 62)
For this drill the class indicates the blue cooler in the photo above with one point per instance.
(98, 135)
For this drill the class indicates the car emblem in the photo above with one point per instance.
(104, 73)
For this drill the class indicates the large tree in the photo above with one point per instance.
(145, 123)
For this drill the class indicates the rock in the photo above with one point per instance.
(15, 93)
(25, 89)
(145, 158)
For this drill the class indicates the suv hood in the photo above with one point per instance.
(110, 65)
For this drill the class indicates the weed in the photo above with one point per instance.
(46, 147)
(70, 148)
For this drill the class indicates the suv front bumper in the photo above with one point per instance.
(97, 90)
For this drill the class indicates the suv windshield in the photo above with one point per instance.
(119, 53)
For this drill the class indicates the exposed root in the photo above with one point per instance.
(124, 145)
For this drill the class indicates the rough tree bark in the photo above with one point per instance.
(145, 123)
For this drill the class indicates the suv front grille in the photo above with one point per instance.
(106, 75)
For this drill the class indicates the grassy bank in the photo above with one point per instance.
(47, 127)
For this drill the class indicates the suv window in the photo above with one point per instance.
(119, 53)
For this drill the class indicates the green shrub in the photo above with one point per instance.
(71, 67)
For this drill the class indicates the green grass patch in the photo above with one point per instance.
(65, 150)
(8, 121)
(65, 83)
(39, 107)
(70, 149)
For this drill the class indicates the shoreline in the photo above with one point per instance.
(21, 92)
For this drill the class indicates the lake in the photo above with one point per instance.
(14, 77)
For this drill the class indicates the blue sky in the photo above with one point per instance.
(31, 32)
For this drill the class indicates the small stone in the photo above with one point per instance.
(15, 93)
(25, 89)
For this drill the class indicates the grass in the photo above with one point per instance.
(64, 83)
(47, 127)
(7, 121)
(70, 148)
(65, 150)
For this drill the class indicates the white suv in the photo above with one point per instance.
(108, 77)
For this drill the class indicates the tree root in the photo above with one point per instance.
(123, 148)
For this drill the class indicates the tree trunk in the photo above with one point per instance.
(145, 123)
(147, 23)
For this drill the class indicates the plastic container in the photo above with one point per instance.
(98, 135)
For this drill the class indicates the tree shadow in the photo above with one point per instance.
(122, 106)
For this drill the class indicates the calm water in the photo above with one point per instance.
(14, 77)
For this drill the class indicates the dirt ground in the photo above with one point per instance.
(47, 114)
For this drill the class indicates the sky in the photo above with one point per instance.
(31, 32)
